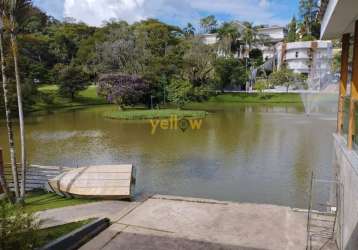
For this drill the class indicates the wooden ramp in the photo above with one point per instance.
(36, 176)
(105, 181)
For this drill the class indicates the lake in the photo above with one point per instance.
(242, 152)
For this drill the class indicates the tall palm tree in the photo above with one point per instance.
(8, 112)
(208, 24)
(17, 11)
(189, 30)
(229, 36)
(308, 11)
(249, 35)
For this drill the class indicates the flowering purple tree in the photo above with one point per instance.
(124, 90)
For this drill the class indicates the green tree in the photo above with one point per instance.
(121, 51)
(230, 72)
(15, 14)
(229, 36)
(249, 35)
(162, 51)
(260, 87)
(18, 230)
(149, 48)
(209, 24)
(10, 131)
(309, 18)
(292, 31)
(179, 91)
(72, 79)
(284, 77)
(37, 21)
(65, 40)
(256, 57)
(189, 30)
(198, 62)
(36, 61)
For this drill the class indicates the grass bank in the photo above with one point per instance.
(154, 114)
(50, 99)
(40, 200)
(47, 235)
(257, 98)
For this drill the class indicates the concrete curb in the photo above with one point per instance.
(79, 237)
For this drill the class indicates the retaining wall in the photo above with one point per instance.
(346, 162)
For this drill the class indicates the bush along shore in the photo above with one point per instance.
(257, 98)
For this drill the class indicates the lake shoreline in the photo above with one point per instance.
(90, 98)
(154, 114)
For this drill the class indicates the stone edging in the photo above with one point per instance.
(79, 237)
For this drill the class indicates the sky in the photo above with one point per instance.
(175, 12)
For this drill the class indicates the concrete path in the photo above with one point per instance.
(167, 222)
(59, 216)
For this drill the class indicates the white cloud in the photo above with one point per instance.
(179, 12)
(263, 3)
(94, 12)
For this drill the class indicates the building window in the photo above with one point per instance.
(296, 54)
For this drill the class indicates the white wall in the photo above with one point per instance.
(209, 39)
(301, 59)
(296, 54)
(346, 162)
(274, 33)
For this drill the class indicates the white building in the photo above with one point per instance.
(209, 39)
(304, 57)
(269, 35)
(273, 35)
(312, 58)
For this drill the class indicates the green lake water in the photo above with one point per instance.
(247, 153)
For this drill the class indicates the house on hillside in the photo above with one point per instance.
(273, 35)
(269, 37)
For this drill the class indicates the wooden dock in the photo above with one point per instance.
(104, 181)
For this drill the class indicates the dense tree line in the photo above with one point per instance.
(73, 55)
(50, 51)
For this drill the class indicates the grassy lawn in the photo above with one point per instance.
(257, 98)
(39, 201)
(51, 99)
(153, 114)
(47, 235)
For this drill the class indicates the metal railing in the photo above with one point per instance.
(322, 217)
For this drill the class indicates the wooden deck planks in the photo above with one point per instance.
(102, 181)
(115, 181)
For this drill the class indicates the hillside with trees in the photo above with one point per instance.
(73, 55)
